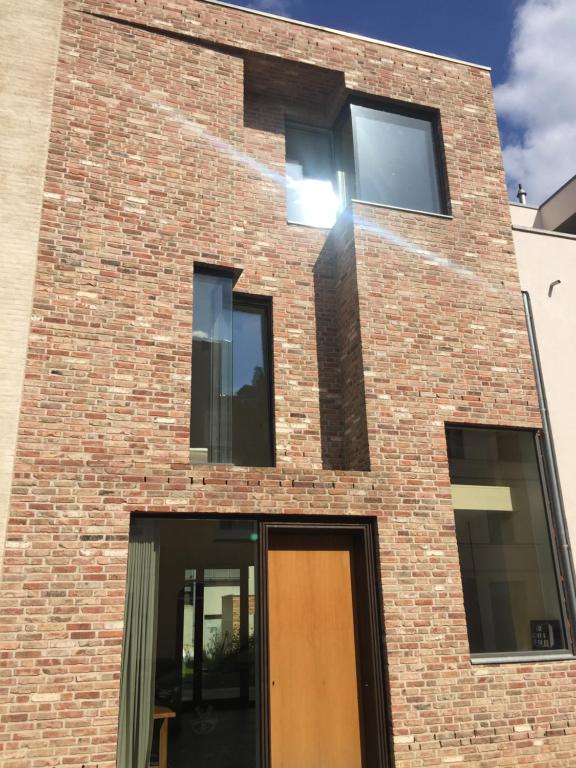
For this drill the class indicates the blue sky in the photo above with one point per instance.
(529, 44)
(465, 29)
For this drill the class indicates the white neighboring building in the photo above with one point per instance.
(545, 241)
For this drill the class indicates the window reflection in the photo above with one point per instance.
(311, 195)
(211, 417)
(509, 579)
(395, 161)
(218, 634)
(231, 414)
(375, 154)
(207, 635)
(252, 439)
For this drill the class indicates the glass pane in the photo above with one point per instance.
(310, 193)
(211, 412)
(251, 443)
(206, 670)
(508, 574)
(344, 147)
(395, 160)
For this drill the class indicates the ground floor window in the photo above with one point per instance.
(507, 561)
(250, 644)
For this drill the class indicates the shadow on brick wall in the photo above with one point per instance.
(343, 420)
(328, 358)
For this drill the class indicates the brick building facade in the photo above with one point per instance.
(167, 153)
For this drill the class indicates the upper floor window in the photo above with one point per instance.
(395, 159)
(231, 413)
(373, 154)
(509, 576)
(310, 176)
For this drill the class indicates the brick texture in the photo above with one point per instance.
(166, 148)
(28, 52)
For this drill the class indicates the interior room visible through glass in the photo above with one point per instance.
(207, 636)
(509, 578)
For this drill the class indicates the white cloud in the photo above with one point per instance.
(279, 7)
(539, 98)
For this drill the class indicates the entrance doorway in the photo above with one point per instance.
(267, 647)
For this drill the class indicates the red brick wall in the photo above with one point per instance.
(346, 309)
(158, 158)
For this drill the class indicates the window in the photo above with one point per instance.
(251, 412)
(395, 159)
(509, 576)
(374, 154)
(231, 417)
(310, 179)
(190, 645)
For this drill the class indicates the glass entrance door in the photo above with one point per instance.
(265, 652)
(206, 642)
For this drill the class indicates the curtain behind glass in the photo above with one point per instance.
(211, 416)
(139, 650)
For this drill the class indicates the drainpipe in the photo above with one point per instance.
(558, 511)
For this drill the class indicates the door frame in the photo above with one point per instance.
(366, 576)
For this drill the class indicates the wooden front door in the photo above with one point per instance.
(315, 711)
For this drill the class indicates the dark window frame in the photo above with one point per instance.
(265, 303)
(550, 513)
(551, 521)
(431, 115)
(341, 186)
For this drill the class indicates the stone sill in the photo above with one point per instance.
(524, 658)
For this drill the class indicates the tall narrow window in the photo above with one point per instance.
(310, 176)
(509, 578)
(252, 434)
(231, 419)
(211, 423)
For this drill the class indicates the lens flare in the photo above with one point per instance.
(316, 199)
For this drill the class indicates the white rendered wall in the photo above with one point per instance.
(558, 208)
(523, 215)
(543, 259)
